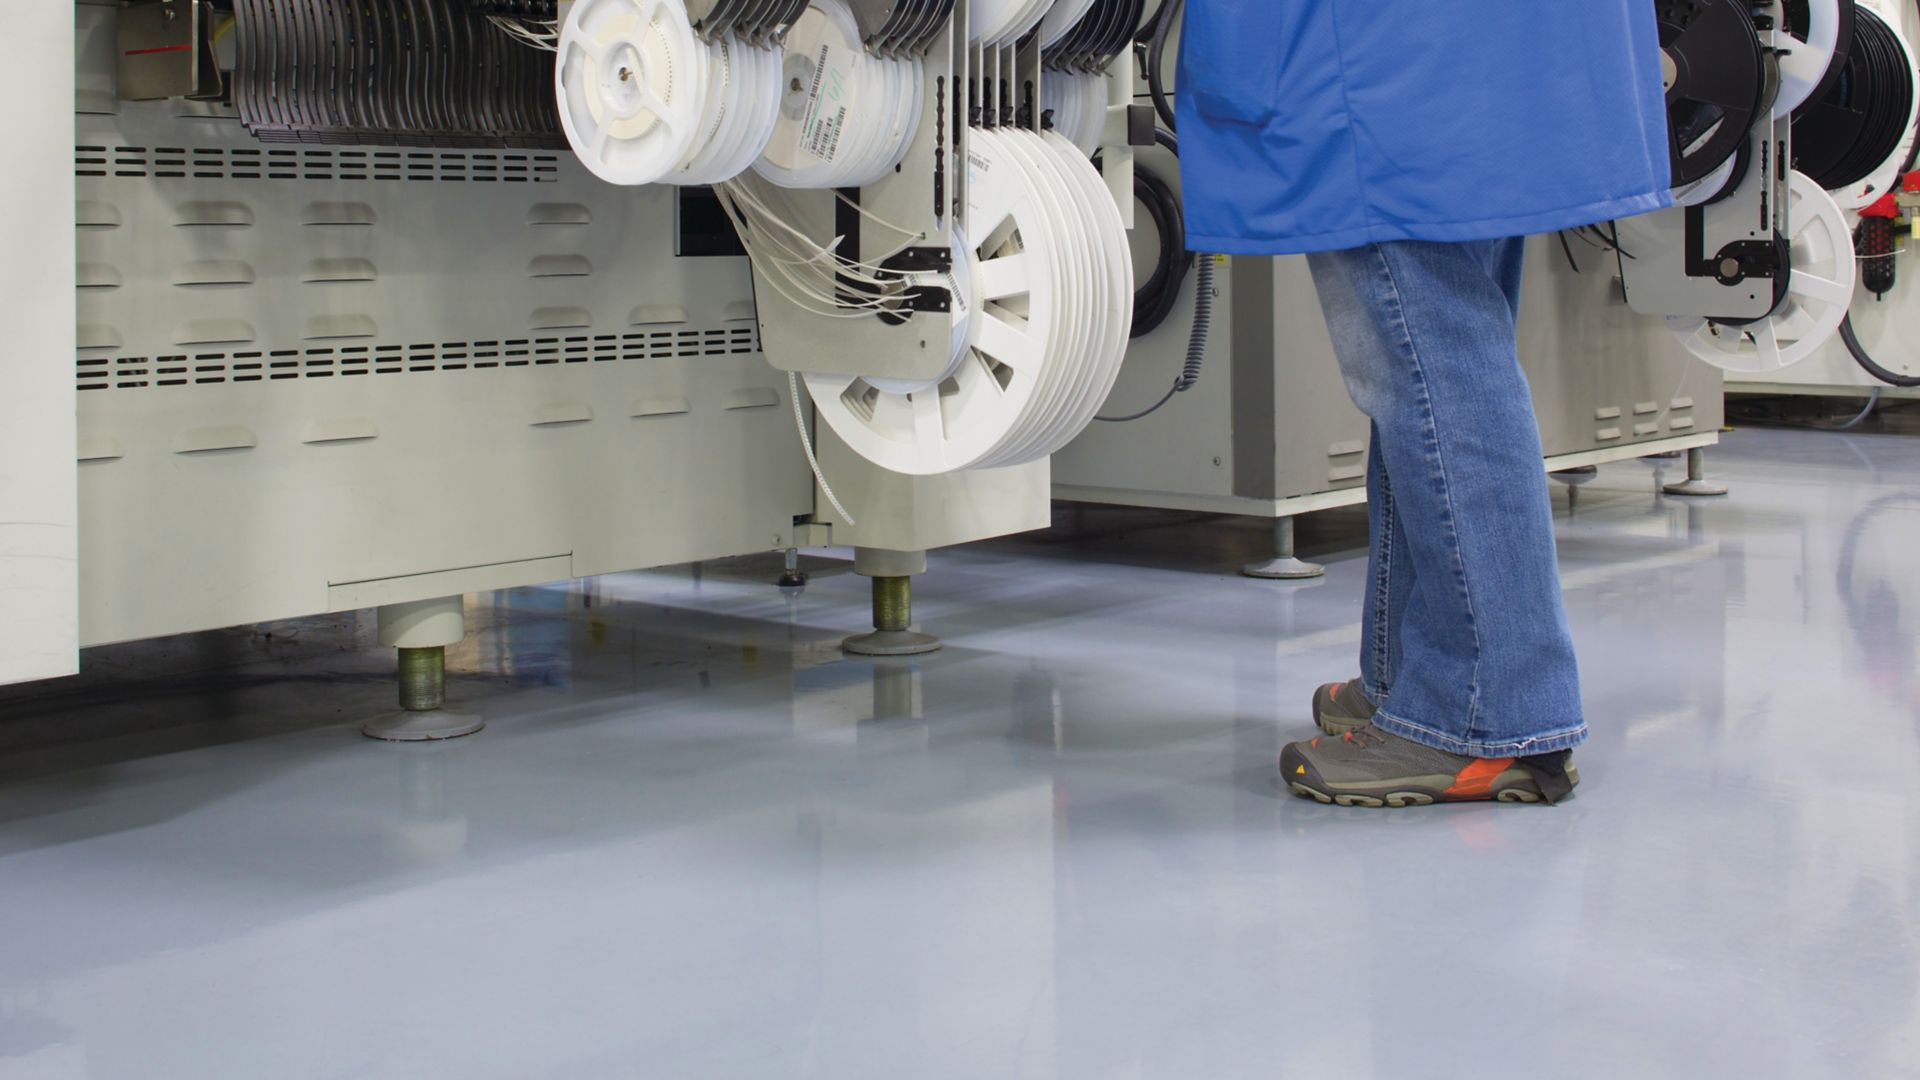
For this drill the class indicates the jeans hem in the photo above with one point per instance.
(1544, 743)
(1374, 693)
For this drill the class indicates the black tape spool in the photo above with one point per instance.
(1841, 137)
(1718, 86)
(1742, 161)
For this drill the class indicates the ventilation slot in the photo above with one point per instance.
(214, 368)
(247, 163)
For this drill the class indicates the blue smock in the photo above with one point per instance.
(1318, 125)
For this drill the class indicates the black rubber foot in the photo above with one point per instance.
(792, 581)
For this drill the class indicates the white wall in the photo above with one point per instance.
(39, 633)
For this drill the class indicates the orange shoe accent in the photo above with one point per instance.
(1476, 780)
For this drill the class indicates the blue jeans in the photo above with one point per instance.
(1464, 640)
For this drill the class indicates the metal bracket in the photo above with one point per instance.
(920, 260)
(1141, 124)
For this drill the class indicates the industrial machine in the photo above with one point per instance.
(378, 304)
(355, 333)
(1268, 430)
(1751, 273)
(1866, 155)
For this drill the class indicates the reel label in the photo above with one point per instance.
(826, 110)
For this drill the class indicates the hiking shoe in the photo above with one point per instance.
(1371, 767)
(1341, 707)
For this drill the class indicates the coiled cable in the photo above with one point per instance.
(1154, 300)
(1163, 22)
(1866, 361)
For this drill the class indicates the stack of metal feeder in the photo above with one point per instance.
(756, 22)
(371, 72)
(1079, 40)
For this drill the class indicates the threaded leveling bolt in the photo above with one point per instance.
(423, 678)
(892, 603)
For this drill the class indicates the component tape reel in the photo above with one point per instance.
(1716, 80)
(846, 117)
(1856, 137)
(1820, 32)
(1060, 20)
(1077, 103)
(643, 100)
(1818, 291)
(1040, 321)
(993, 22)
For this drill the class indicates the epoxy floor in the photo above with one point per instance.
(696, 842)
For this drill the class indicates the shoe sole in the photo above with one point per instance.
(1400, 800)
(1514, 786)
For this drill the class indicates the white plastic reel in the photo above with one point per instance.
(1805, 62)
(629, 79)
(1707, 186)
(1819, 291)
(1039, 329)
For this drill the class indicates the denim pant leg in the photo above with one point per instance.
(1390, 577)
(1482, 663)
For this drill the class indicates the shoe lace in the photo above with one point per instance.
(1359, 738)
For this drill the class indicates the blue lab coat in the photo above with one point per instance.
(1318, 125)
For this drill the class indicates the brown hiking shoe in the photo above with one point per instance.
(1342, 707)
(1371, 767)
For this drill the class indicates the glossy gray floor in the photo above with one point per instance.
(696, 842)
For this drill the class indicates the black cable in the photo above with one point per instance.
(1568, 248)
(1156, 298)
(1861, 357)
(1189, 376)
(1613, 229)
(1153, 301)
(1156, 61)
(1148, 411)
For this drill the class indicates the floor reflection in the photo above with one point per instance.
(697, 840)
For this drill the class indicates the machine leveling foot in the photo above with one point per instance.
(420, 634)
(1283, 566)
(1696, 483)
(892, 615)
(792, 578)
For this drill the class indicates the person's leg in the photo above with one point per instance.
(1342, 707)
(1390, 580)
(1425, 336)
